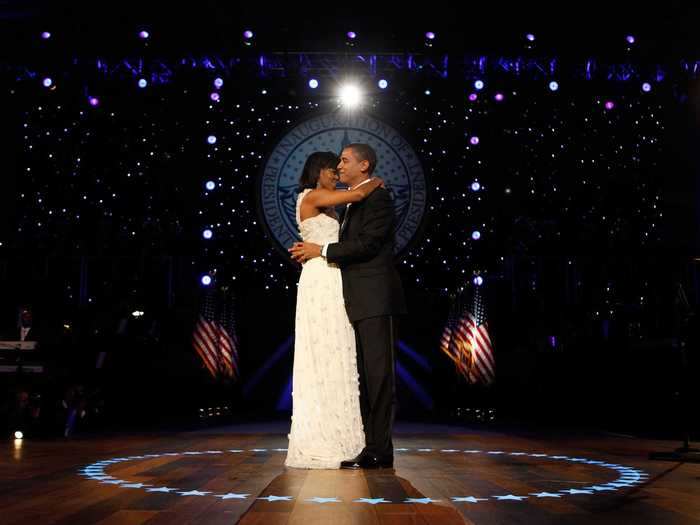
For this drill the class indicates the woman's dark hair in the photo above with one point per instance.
(320, 160)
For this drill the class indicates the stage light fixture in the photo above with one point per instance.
(350, 96)
(350, 38)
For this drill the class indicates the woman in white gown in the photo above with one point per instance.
(326, 420)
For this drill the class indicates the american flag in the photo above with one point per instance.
(466, 341)
(214, 336)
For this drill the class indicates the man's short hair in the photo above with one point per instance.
(364, 152)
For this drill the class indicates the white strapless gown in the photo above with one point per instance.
(326, 420)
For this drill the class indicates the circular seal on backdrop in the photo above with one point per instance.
(397, 164)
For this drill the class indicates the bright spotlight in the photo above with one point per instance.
(350, 96)
(19, 434)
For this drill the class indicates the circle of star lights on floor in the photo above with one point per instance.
(628, 477)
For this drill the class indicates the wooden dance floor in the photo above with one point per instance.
(442, 475)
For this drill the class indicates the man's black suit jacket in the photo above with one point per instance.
(365, 255)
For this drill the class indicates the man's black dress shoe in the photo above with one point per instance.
(367, 461)
(353, 463)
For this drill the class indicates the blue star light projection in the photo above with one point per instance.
(628, 477)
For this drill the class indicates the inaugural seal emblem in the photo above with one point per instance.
(397, 164)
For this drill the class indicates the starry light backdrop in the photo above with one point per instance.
(514, 165)
(554, 181)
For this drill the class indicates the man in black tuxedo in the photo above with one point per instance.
(373, 297)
